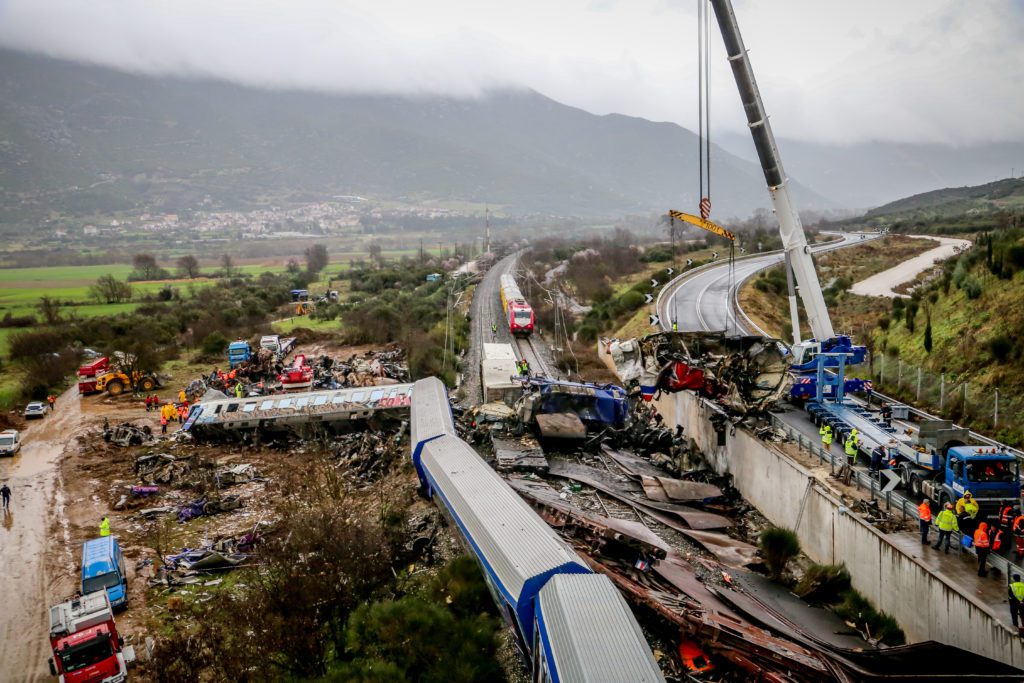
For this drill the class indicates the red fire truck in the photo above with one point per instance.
(85, 644)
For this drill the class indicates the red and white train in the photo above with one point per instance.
(518, 313)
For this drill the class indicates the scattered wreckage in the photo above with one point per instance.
(745, 374)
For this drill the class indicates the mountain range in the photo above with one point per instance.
(78, 139)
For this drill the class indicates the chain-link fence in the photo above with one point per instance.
(984, 409)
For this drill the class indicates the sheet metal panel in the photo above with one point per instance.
(510, 538)
(590, 634)
(431, 414)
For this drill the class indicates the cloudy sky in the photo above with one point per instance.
(838, 71)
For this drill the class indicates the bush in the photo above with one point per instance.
(1000, 347)
(214, 344)
(778, 546)
(631, 300)
(857, 609)
(823, 584)
(971, 287)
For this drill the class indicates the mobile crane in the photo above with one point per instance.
(935, 461)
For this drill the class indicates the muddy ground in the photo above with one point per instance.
(66, 478)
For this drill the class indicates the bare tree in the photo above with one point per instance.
(316, 258)
(146, 267)
(50, 310)
(227, 265)
(188, 266)
(108, 289)
(293, 266)
(375, 251)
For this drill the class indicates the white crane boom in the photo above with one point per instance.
(794, 241)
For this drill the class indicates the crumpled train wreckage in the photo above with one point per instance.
(745, 374)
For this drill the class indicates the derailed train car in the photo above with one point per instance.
(545, 591)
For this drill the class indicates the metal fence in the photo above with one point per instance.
(982, 408)
(894, 503)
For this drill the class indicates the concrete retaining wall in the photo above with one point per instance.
(927, 607)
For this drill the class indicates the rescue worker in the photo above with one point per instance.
(1018, 534)
(850, 448)
(5, 494)
(239, 390)
(877, 456)
(526, 367)
(675, 326)
(52, 401)
(924, 518)
(946, 521)
(149, 403)
(1006, 515)
(1015, 594)
(982, 546)
(826, 436)
(966, 511)
(105, 526)
(887, 414)
(181, 396)
(494, 330)
(163, 423)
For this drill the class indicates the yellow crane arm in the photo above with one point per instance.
(703, 224)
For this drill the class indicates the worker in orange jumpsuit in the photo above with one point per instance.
(982, 547)
(924, 518)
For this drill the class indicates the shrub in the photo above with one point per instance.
(214, 344)
(1000, 347)
(857, 609)
(823, 584)
(779, 546)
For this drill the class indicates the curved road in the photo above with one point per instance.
(702, 299)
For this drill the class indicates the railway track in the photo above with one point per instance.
(528, 348)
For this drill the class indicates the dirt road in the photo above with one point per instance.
(882, 284)
(25, 538)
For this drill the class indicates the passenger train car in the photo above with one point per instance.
(518, 314)
(571, 625)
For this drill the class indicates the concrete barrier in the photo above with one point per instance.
(926, 605)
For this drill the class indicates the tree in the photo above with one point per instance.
(188, 266)
(316, 258)
(227, 265)
(108, 289)
(146, 267)
(293, 266)
(50, 310)
(375, 251)
(928, 334)
(137, 357)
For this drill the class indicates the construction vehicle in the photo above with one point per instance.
(239, 352)
(304, 307)
(280, 346)
(115, 382)
(85, 644)
(88, 372)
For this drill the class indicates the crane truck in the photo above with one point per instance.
(934, 461)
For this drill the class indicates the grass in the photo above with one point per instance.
(289, 325)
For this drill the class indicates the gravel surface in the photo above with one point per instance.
(882, 284)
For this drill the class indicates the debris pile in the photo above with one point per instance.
(188, 566)
(367, 456)
(744, 374)
(127, 434)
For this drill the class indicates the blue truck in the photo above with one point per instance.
(103, 569)
(239, 351)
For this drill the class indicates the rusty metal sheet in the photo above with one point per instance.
(666, 489)
(633, 465)
(695, 519)
(521, 454)
(561, 426)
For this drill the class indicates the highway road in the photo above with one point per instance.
(702, 301)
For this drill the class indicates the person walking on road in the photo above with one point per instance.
(105, 526)
(5, 493)
(946, 521)
(826, 437)
(982, 547)
(924, 518)
(1015, 594)
(494, 331)
(52, 401)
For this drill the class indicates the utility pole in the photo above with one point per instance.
(487, 222)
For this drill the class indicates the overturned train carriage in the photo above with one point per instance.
(544, 590)
(331, 409)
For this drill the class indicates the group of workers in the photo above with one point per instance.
(523, 367)
(986, 537)
(169, 411)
